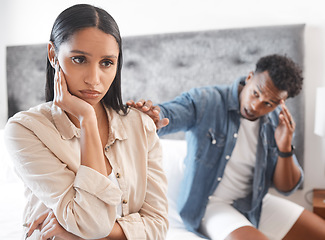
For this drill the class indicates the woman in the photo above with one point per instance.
(92, 167)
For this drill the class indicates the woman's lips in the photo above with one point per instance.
(90, 93)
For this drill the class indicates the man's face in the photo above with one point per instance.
(259, 96)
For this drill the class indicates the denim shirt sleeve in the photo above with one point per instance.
(183, 112)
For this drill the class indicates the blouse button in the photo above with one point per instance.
(219, 179)
(118, 175)
(125, 201)
(227, 157)
(235, 135)
(106, 148)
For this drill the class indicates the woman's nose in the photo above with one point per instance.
(92, 77)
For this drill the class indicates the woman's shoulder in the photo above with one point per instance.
(35, 116)
(135, 117)
(41, 110)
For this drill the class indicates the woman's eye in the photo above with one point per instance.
(78, 60)
(255, 94)
(107, 63)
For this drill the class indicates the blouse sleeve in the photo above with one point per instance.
(151, 222)
(82, 201)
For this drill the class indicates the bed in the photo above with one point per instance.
(156, 67)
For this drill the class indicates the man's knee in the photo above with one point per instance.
(246, 232)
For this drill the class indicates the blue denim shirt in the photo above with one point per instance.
(210, 117)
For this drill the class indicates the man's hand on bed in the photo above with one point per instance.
(49, 227)
(152, 111)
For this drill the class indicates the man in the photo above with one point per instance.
(239, 144)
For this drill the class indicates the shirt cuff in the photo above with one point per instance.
(132, 226)
(95, 183)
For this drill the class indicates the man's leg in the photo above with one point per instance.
(222, 221)
(246, 232)
(308, 226)
(278, 216)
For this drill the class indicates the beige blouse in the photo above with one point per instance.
(45, 147)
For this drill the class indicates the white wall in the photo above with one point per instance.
(30, 22)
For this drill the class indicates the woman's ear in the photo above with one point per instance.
(51, 54)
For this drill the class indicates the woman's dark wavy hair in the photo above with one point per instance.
(76, 18)
(285, 74)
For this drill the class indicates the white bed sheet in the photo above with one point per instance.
(12, 200)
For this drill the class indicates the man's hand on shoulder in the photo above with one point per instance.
(152, 111)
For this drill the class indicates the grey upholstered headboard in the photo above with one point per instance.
(160, 67)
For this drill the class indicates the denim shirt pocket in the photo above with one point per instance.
(212, 148)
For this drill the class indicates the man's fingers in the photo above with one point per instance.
(130, 103)
(285, 116)
(152, 111)
(162, 123)
(140, 103)
(144, 106)
(155, 110)
(287, 120)
(147, 105)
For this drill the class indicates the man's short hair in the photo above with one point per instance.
(284, 73)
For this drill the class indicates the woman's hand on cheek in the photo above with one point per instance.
(65, 100)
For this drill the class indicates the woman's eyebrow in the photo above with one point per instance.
(80, 52)
(88, 54)
(109, 56)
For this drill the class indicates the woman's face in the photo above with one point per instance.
(89, 62)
